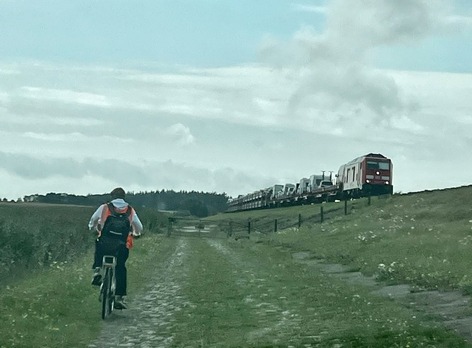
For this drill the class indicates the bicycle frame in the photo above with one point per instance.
(107, 289)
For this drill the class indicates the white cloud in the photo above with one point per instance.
(313, 103)
(310, 8)
(181, 134)
(458, 21)
(66, 96)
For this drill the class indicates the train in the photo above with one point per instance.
(367, 175)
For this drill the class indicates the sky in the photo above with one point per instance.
(231, 96)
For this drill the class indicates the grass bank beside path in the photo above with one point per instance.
(57, 307)
(247, 294)
(423, 239)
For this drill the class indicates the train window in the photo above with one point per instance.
(378, 165)
(372, 165)
(384, 165)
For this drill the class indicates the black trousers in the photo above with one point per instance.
(121, 252)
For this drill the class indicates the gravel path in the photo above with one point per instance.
(150, 319)
(277, 309)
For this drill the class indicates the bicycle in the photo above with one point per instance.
(107, 288)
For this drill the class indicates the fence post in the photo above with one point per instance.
(275, 225)
(321, 214)
(299, 220)
(230, 232)
(169, 226)
(200, 226)
(249, 226)
(345, 207)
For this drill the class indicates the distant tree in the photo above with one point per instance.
(195, 207)
(197, 203)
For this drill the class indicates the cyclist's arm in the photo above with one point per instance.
(95, 219)
(136, 225)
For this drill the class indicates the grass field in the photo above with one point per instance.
(423, 238)
(45, 259)
(252, 293)
(57, 307)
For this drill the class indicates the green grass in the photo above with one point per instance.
(423, 239)
(251, 293)
(51, 308)
(39, 235)
(254, 295)
(57, 307)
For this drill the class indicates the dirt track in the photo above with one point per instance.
(160, 315)
(149, 320)
(452, 308)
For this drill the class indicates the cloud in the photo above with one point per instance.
(334, 81)
(181, 134)
(91, 175)
(65, 96)
(311, 103)
(310, 8)
(370, 23)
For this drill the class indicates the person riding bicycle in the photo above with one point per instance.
(115, 236)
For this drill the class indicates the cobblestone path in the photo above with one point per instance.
(150, 318)
(218, 292)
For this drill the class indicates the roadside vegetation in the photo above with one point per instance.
(46, 299)
(57, 306)
(423, 239)
(261, 297)
(36, 236)
(240, 292)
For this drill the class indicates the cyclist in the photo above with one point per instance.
(100, 221)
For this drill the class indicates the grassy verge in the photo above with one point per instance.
(253, 295)
(57, 307)
(40, 235)
(422, 239)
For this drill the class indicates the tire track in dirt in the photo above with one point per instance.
(451, 308)
(276, 316)
(149, 321)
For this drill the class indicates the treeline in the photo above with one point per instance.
(200, 204)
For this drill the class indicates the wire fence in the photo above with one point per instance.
(243, 228)
(192, 227)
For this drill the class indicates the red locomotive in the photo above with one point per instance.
(369, 175)
(366, 175)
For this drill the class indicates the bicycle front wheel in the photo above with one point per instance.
(106, 284)
(111, 290)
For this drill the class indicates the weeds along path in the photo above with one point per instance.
(247, 294)
(274, 314)
(451, 308)
(235, 302)
(219, 292)
(150, 318)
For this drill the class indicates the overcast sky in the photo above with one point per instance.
(231, 96)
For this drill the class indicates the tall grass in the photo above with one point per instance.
(41, 235)
(35, 236)
(57, 306)
(46, 299)
(424, 239)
